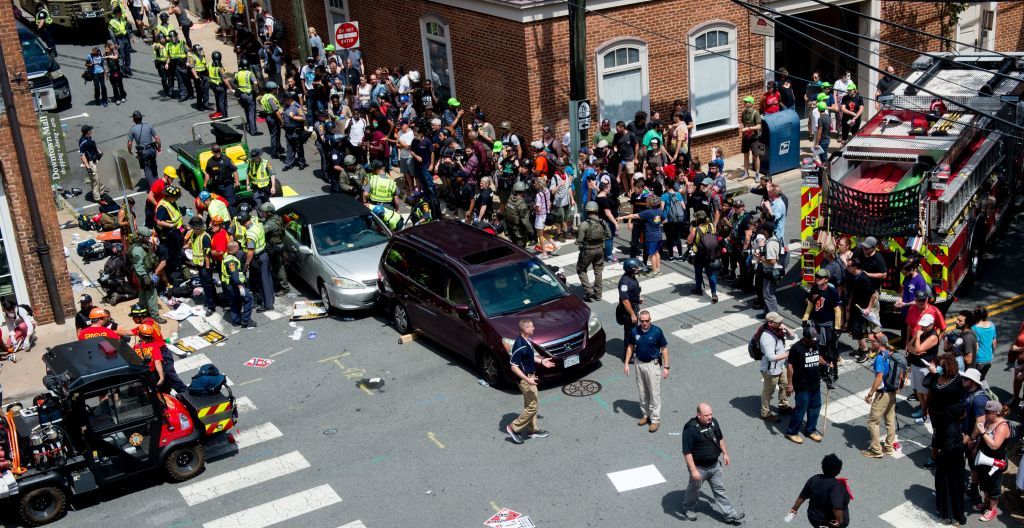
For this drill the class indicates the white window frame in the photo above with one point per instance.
(328, 9)
(716, 25)
(426, 38)
(601, 71)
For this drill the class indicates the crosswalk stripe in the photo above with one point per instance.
(664, 282)
(793, 246)
(241, 478)
(279, 510)
(609, 273)
(849, 408)
(354, 524)
(682, 305)
(736, 357)
(566, 259)
(193, 362)
(246, 437)
(273, 315)
(907, 515)
(244, 405)
(726, 324)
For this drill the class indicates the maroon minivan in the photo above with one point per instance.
(467, 290)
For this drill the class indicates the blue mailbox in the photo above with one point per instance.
(780, 134)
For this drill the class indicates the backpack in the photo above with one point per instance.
(676, 210)
(28, 309)
(207, 381)
(893, 379)
(987, 391)
(707, 245)
(739, 226)
(754, 345)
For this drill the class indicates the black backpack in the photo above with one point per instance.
(207, 381)
(707, 244)
(754, 345)
(893, 379)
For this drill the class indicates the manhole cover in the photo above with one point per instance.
(685, 326)
(582, 388)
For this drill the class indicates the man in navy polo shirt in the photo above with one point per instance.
(524, 365)
(649, 346)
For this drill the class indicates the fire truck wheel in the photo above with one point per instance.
(185, 462)
(43, 505)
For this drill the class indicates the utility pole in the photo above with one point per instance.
(579, 120)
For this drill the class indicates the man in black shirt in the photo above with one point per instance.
(872, 261)
(85, 306)
(804, 370)
(626, 313)
(703, 443)
(824, 314)
(829, 497)
(786, 95)
(863, 298)
(886, 85)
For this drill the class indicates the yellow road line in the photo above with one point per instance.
(495, 506)
(368, 391)
(281, 352)
(325, 360)
(1006, 308)
(433, 438)
(250, 381)
(286, 190)
(1016, 300)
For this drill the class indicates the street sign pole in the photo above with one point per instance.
(578, 91)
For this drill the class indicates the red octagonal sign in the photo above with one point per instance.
(346, 35)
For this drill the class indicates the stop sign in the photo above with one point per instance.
(346, 35)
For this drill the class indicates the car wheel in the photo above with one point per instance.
(43, 505)
(188, 180)
(325, 296)
(185, 462)
(401, 318)
(488, 368)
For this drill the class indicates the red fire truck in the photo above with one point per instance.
(930, 177)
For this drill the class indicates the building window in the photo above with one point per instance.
(437, 56)
(713, 77)
(622, 80)
(337, 12)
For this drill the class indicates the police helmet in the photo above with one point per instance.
(164, 16)
(631, 265)
(216, 56)
(592, 207)
(244, 207)
(204, 196)
(172, 33)
(270, 85)
(378, 210)
(173, 192)
(338, 139)
(375, 164)
(243, 216)
(243, 63)
(138, 310)
(519, 187)
(329, 125)
(349, 160)
(161, 36)
(198, 48)
(267, 207)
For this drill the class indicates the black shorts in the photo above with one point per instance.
(747, 143)
(860, 327)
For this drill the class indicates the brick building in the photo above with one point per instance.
(21, 275)
(511, 56)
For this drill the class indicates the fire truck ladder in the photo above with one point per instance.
(946, 212)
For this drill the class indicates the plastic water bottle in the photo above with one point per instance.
(789, 517)
(482, 383)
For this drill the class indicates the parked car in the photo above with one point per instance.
(467, 290)
(49, 84)
(334, 243)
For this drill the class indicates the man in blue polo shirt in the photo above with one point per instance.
(649, 346)
(524, 358)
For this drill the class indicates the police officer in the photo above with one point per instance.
(392, 219)
(245, 80)
(626, 313)
(517, 216)
(335, 164)
(270, 109)
(420, 212)
(257, 262)
(232, 276)
(592, 234)
(164, 27)
(198, 240)
(381, 189)
(260, 178)
(323, 131)
(294, 134)
(219, 84)
(143, 262)
(222, 176)
(183, 72)
(200, 77)
(353, 177)
(43, 23)
(144, 141)
(177, 54)
(120, 34)
(160, 58)
(274, 231)
(90, 154)
(169, 228)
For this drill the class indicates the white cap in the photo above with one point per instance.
(602, 144)
(926, 320)
(638, 176)
(537, 144)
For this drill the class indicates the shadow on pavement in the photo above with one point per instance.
(628, 407)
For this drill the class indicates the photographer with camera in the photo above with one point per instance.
(89, 153)
(824, 315)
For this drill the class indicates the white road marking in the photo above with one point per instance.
(567, 259)
(609, 272)
(244, 405)
(682, 304)
(636, 478)
(354, 524)
(246, 437)
(664, 282)
(907, 515)
(735, 356)
(190, 363)
(69, 118)
(849, 408)
(241, 478)
(273, 315)
(726, 324)
(280, 510)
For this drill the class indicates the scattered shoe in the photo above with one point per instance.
(989, 515)
(260, 309)
(794, 438)
(736, 520)
(160, 320)
(815, 436)
(920, 421)
(209, 312)
(249, 324)
(653, 427)
(862, 358)
(642, 421)
(539, 433)
(912, 397)
(512, 434)
(771, 418)
(871, 454)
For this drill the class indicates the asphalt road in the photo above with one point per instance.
(428, 448)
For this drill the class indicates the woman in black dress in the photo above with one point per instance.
(948, 450)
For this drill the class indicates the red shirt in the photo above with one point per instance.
(914, 315)
(150, 353)
(157, 335)
(158, 189)
(219, 242)
(96, 331)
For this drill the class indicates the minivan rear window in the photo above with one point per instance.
(488, 255)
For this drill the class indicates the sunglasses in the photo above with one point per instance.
(645, 320)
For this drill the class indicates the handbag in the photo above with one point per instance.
(87, 75)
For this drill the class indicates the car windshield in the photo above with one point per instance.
(516, 287)
(348, 234)
(30, 48)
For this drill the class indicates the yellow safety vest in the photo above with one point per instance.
(239, 230)
(164, 30)
(225, 277)
(199, 252)
(215, 75)
(173, 213)
(217, 209)
(391, 219)
(382, 188)
(48, 19)
(119, 26)
(265, 102)
(160, 52)
(199, 63)
(243, 81)
(176, 49)
(256, 233)
(258, 175)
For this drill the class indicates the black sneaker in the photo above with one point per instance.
(736, 520)
(512, 434)
(862, 358)
(539, 433)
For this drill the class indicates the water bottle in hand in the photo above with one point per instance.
(789, 516)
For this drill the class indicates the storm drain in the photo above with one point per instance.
(581, 388)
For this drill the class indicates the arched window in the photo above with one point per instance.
(713, 77)
(622, 80)
(437, 56)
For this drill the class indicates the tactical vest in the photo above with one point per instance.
(258, 175)
(165, 30)
(391, 219)
(382, 188)
(225, 277)
(238, 231)
(593, 234)
(274, 231)
(199, 64)
(199, 252)
(148, 259)
(256, 233)
(47, 19)
(243, 81)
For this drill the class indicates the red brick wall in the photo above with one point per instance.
(917, 15)
(1010, 26)
(19, 205)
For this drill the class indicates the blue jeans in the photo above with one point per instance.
(427, 183)
(808, 402)
(610, 242)
(698, 271)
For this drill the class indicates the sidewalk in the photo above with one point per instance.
(24, 379)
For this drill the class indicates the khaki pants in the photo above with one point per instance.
(529, 415)
(591, 257)
(768, 389)
(884, 405)
(93, 177)
(648, 380)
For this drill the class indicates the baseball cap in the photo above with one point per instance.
(821, 274)
(85, 298)
(748, 99)
(851, 86)
(546, 128)
(926, 320)
(453, 102)
(810, 333)
(605, 122)
(638, 176)
(773, 317)
(86, 128)
(707, 181)
(822, 106)
(136, 114)
(993, 406)
(882, 339)
(920, 295)
(870, 242)
(826, 84)
(537, 144)
(145, 232)
(255, 153)
(498, 145)
(822, 96)
(602, 144)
